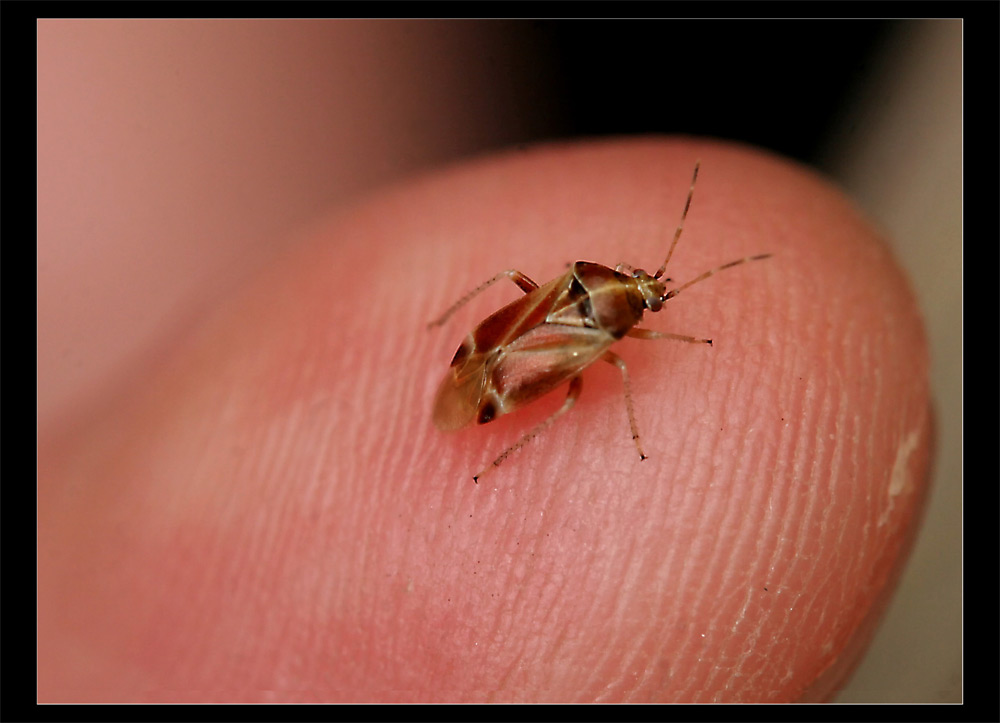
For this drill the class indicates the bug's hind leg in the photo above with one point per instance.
(523, 282)
(613, 358)
(575, 385)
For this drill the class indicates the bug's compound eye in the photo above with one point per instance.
(651, 290)
(639, 274)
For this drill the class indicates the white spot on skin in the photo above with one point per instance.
(899, 479)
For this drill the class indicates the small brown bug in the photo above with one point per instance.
(550, 335)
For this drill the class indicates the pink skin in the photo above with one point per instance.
(272, 516)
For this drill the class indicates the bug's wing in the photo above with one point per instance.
(459, 394)
(509, 323)
(541, 360)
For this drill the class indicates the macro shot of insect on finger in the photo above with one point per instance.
(550, 335)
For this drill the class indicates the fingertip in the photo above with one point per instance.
(733, 564)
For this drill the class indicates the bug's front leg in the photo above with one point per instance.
(523, 282)
(650, 334)
(613, 358)
(575, 385)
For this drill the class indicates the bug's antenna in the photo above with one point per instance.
(680, 226)
(673, 292)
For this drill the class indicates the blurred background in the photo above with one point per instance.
(175, 157)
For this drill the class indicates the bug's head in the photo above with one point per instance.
(651, 288)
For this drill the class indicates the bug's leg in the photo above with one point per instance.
(650, 334)
(523, 282)
(575, 385)
(613, 358)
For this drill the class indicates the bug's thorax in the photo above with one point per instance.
(611, 300)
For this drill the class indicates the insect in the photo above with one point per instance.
(550, 335)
